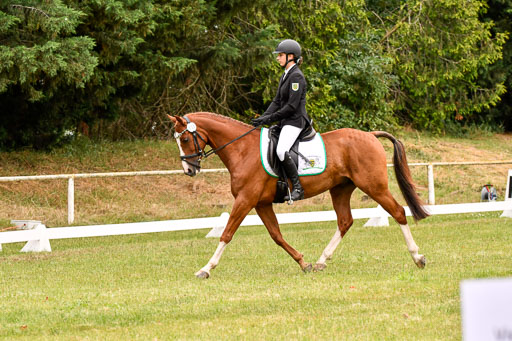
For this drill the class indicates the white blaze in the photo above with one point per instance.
(186, 166)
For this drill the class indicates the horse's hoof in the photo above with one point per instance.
(307, 268)
(422, 261)
(202, 274)
(319, 267)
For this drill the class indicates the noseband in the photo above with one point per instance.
(202, 154)
(192, 128)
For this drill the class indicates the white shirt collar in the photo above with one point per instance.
(288, 70)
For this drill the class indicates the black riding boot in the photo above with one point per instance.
(291, 172)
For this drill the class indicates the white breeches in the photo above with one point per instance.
(287, 138)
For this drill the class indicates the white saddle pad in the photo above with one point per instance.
(313, 150)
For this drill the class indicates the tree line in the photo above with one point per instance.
(113, 69)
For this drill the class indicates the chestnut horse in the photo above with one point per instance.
(354, 159)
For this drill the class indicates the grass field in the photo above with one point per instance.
(143, 286)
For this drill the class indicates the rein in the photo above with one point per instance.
(203, 154)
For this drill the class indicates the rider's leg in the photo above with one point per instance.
(287, 138)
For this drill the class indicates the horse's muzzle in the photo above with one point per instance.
(190, 168)
(191, 171)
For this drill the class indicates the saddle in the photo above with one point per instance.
(282, 189)
(307, 134)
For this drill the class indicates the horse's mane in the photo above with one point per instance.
(220, 118)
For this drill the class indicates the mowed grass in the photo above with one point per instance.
(143, 286)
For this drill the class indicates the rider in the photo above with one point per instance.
(289, 108)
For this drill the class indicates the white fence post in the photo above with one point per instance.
(507, 213)
(42, 244)
(378, 221)
(71, 200)
(431, 191)
(216, 231)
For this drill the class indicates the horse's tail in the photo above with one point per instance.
(403, 177)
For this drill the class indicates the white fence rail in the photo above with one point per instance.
(71, 178)
(71, 181)
(38, 238)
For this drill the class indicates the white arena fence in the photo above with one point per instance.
(71, 178)
(71, 181)
(38, 236)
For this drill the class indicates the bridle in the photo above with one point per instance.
(199, 152)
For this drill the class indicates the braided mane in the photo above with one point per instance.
(219, 117)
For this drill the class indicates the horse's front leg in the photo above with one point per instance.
(267, 215)
(241, 208)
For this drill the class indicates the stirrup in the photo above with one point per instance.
(290, 196)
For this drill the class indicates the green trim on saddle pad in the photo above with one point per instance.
(262, 152)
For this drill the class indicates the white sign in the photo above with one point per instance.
(487, 309)
(508, 195)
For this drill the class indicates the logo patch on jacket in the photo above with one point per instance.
(295, 86)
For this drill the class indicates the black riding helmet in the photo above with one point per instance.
(288, 46)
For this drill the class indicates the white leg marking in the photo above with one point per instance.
(411, 245)
(215, 259)
(329, 249)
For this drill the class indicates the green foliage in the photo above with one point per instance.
(44, 62)
(136, 44)
(440, 48)
(118, 67)
(348, 80)
(360, 79)
(226, 49)
(500, 13)
(86, 60)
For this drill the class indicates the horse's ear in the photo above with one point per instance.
(177, 119)
(173, 119)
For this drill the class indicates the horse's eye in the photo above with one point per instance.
(185, 140)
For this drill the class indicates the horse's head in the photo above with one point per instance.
(190, 142)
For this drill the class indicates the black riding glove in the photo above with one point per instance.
(258, 121)
(265, 119)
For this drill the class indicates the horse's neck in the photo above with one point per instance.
(221, 133)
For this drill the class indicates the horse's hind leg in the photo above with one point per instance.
(386, 200)
(341, 201)
(267, 215)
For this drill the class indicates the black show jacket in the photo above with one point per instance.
(289, 104)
